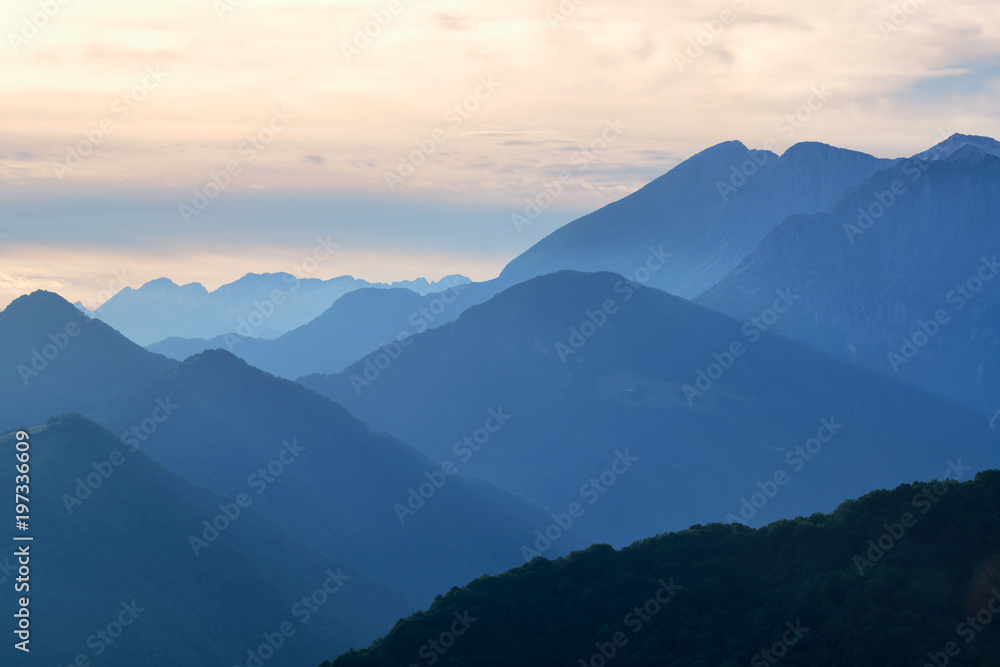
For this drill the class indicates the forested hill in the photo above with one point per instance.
(897, 578)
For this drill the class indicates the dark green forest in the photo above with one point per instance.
(896, 578)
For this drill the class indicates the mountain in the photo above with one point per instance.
(958, 141)
(689, 228)
(896, 578)
(258, 305)
(596, 372)
(353, 326)
(363, 498)
(366, 499)
(112, 547)
(682, 233)
(55, 359)
(899, 277)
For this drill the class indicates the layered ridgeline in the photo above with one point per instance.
(263, 305)
(708, 213)
(897, 578)
(647, 412)
(902, 276)
(352, 327)
(114, 581)
(691, 227)
(366, 499)
(54, 359)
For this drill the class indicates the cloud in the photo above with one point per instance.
(890, 91)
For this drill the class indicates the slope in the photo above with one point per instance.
(112, 548)
(899, 277)
(54, 359)
(590, 366)
(815, 592)
(366, 499)
(708, 213)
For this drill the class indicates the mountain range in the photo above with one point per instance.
(257, 305)
(900, 276)
(366, 499)
(590, 365)
(700, 230)
(909, 576)
(112, 547)
(749, 338)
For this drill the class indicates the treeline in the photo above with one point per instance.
(907, 577)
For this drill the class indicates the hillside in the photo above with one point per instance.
(113, 537)
(810, 592)
(898, 277)
(589, 366)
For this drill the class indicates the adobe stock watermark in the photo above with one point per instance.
(899, 16)
(565, 10)
(779, 649)
(591, 491)
(259, 482)
(636, 620)
(421, 319)
(926, 330)
(365, 34)
(223, 7)
(924, 501)
(104, 469)
(435, 649)
(582, 159)
(753, 329)
(796, 460)
(118, 282)
(967, 630)
(596, 319)
(455, 117)
(121, 108)
(40, 360)
(786, 126)
(302, 611)
(101, 641)
(464, 449)
(703, 39)
(219, 182)
(883, 200)
(265, 308)
(34, 23)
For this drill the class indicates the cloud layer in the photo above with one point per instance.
(156, 98)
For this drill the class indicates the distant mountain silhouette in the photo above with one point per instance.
(217, 422)
(341, 488)
(352, 327)
(258, 305)
(682, 233)
(589, 365)
(112, 548)
(55, 359)
(901, 276)
(709, 212)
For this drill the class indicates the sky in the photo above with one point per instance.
(204, 139)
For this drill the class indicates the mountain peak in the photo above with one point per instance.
(263, 277)
(808, 150)
(216, 359)
(168, 284)
(956, 142)
(159, 282)
(42, 300)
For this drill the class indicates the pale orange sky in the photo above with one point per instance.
(556, 78)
